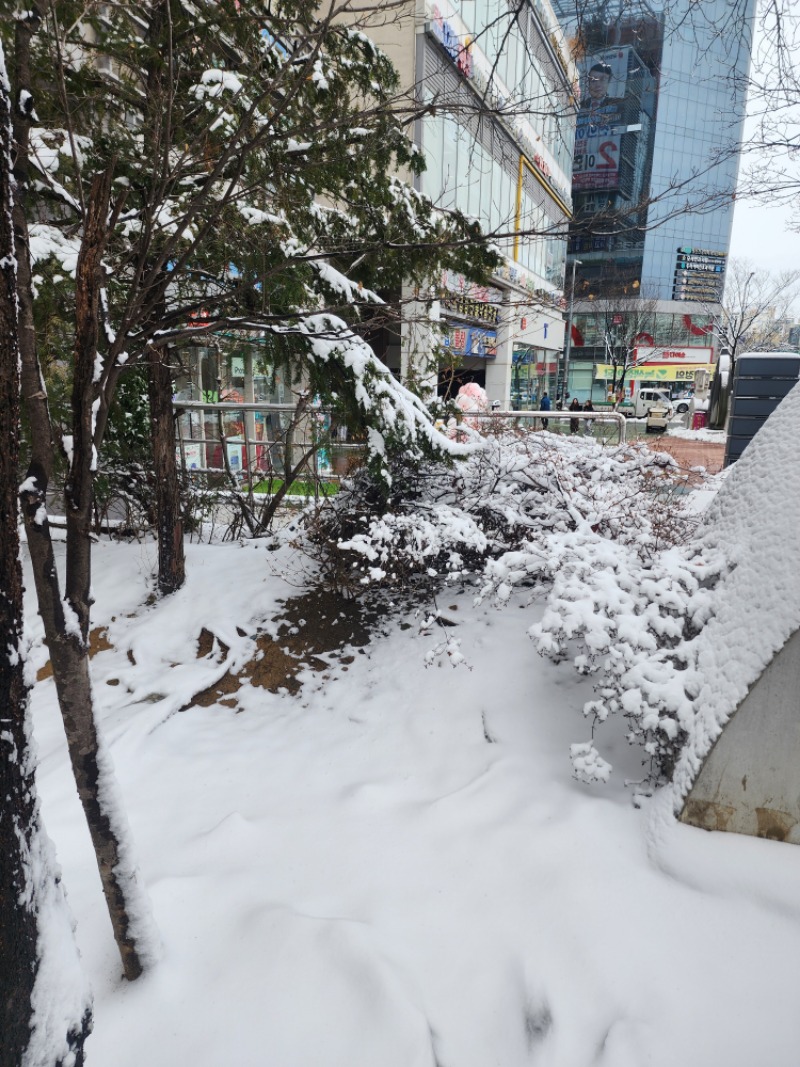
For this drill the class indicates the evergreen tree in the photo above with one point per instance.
(185, 162)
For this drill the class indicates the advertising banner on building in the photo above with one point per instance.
(596, 161)
(652, 373)
(464, 340)
(600, 121)
(643, 354)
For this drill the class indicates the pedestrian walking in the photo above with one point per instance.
(588, 406)
(545, 406)
(574, 424)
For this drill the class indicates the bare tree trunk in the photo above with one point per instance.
(18, 925)
(171, 558)
(66, 622)
(23, 890)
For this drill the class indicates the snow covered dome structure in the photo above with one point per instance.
(739, 768)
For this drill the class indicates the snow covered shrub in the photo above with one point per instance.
(373, 535)
(602, 532)
(630, 623)
(510, 510)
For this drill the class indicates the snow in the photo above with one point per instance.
(396, 866)
(716, 437)
(752, 523)
(342, 286)
(214, 82)
(48, 242)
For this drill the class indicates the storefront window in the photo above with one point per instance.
(534, 374)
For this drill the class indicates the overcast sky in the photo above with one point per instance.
(761, 234)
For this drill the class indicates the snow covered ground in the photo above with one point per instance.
(395, 867)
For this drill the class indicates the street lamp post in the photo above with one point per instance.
(568, 343)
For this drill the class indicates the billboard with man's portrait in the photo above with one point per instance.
(598, 132)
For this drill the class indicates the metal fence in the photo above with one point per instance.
(253, 445)
(590, 423)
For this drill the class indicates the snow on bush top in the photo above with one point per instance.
(754, 522)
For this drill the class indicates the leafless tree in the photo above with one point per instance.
(757, 308)
(771, 172)
(620, 326)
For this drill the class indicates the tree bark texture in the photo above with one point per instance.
(18, 928)
(171, 558)
(20, 825)
(79, 487)
(66, 623)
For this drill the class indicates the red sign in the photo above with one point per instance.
(647, 354)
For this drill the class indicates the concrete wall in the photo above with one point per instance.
(750, 780)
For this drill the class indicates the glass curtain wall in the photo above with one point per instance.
(473, 156)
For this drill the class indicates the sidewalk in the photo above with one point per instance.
(690, 453)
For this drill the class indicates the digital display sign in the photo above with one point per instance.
(699, 274)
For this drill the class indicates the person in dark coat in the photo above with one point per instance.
(545, 406)
(574, 424)
(588, 423)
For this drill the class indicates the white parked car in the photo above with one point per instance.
(638, 407)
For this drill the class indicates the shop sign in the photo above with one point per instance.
(463, 340)
(193, 454)
(471, 301)
(199, 318)
(470, 308)
(672, 355)
(652, 373)
(447, 37)
(235, 448)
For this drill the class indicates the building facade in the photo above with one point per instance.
(663, 95)
(495, 87)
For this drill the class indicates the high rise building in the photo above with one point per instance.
(663, 94)
(495, 84)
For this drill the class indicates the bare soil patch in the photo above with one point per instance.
(316, 629)
(98, 642)
(317, 624)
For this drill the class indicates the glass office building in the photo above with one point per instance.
(663, 94)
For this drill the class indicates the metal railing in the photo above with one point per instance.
(291, 439)
(299, 439)
(545, 419)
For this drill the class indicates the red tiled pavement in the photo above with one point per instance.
(690, 453)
